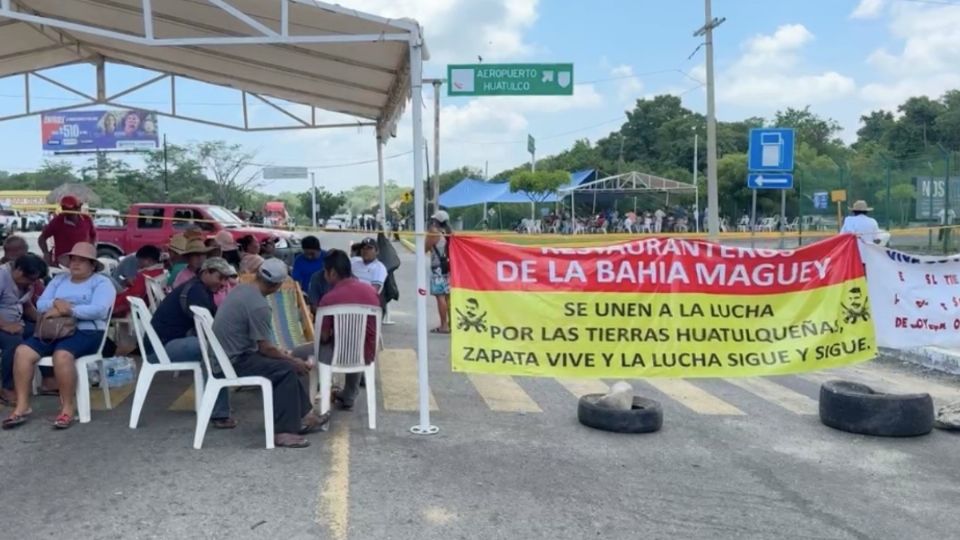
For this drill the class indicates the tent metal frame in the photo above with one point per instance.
(632, 181)
(407, 80)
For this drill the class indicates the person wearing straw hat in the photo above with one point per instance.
(84, 294)
(194, 252)
(859, 223)
(66, 228)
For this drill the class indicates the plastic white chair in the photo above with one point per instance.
(349, 337)
(83, 378)
(156, 290)
(209, 343)
(141, 317)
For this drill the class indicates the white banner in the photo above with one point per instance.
(915, 299)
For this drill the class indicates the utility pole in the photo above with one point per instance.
(166, 186)
(696, 206)
(713, 198)
(435, 184)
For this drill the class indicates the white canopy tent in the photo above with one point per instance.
(630, 182)
(312, 54)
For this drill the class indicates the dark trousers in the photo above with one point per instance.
(8, 346)
(290, 399)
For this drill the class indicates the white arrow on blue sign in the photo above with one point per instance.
(770, 180)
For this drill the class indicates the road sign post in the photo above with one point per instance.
(510, 80)
(770, 162)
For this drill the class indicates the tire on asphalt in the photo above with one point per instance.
(857, 408)
(645, 416)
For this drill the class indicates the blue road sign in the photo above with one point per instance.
(821, 200)
(771, 150)
(770, 180)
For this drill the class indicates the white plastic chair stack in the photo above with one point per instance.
(349, 338)
(83, 378)
(210, 344)
(141, 323)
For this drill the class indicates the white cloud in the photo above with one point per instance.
(769, 72)
(926, 64)
(461, 30)
(630, 87)
(868, 9)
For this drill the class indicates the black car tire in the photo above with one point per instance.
(645, 416)
(857, 408)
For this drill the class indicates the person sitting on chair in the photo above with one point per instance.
(85, 295)
(346, 289)
(366, 267)
(243, 327)
(17, 313)
(148, 260)
(173, 322)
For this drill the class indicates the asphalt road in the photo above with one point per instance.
(735, 459)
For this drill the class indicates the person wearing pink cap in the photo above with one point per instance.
(67, 229)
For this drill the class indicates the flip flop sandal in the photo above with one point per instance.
(317, 425)
(15, 420)
(63, 421)
(291, 441)
(224, 423)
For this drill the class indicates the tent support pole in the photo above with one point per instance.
(416, 87)
(383, 189)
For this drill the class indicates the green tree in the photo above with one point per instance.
(538, 185)
(328, 204)
(231, 168)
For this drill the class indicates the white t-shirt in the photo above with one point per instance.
(374, 273)
(863, 226)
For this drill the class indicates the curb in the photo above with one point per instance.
(410, 247)
(935, 358)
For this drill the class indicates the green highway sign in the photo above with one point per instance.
(510, 80)
(531, 144)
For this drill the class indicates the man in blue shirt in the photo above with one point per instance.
(308, 263)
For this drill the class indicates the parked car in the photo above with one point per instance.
(155, 223)
(334, 224)
(35, 221)
(11, 220)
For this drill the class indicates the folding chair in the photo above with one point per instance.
(349, 338)
(141, 317)
(209, 343)
(83, 378)
(156, 290)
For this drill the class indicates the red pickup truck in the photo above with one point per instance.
(155, 223)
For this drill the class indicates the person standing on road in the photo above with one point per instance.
(437, 243)
(243, 327)
(861, 224)
(67, 229)
(946, 219)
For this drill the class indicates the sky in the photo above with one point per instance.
(843, 58)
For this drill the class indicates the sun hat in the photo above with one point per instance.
(178, 243)
(219, 264)
(250, 263)
(273, 271)
(226, 242)
(86, 250)
(440, 215)
(196, 246)
(861, 206)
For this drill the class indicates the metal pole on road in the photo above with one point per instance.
(783, 217)
(713, 198)
(753, 219)
(696, 205)
(383, 189)
(313, 198)
(435, 185)
(416, 86)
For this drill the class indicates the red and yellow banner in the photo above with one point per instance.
(657, 307)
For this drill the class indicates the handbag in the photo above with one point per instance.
(50, 329)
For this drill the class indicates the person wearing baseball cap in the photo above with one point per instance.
(174, 325)
(367, 268)
(243, 326)
(67, 228)
(437, 243)
(859, 223)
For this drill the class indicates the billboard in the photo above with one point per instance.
(91, 131)
(932, 194)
